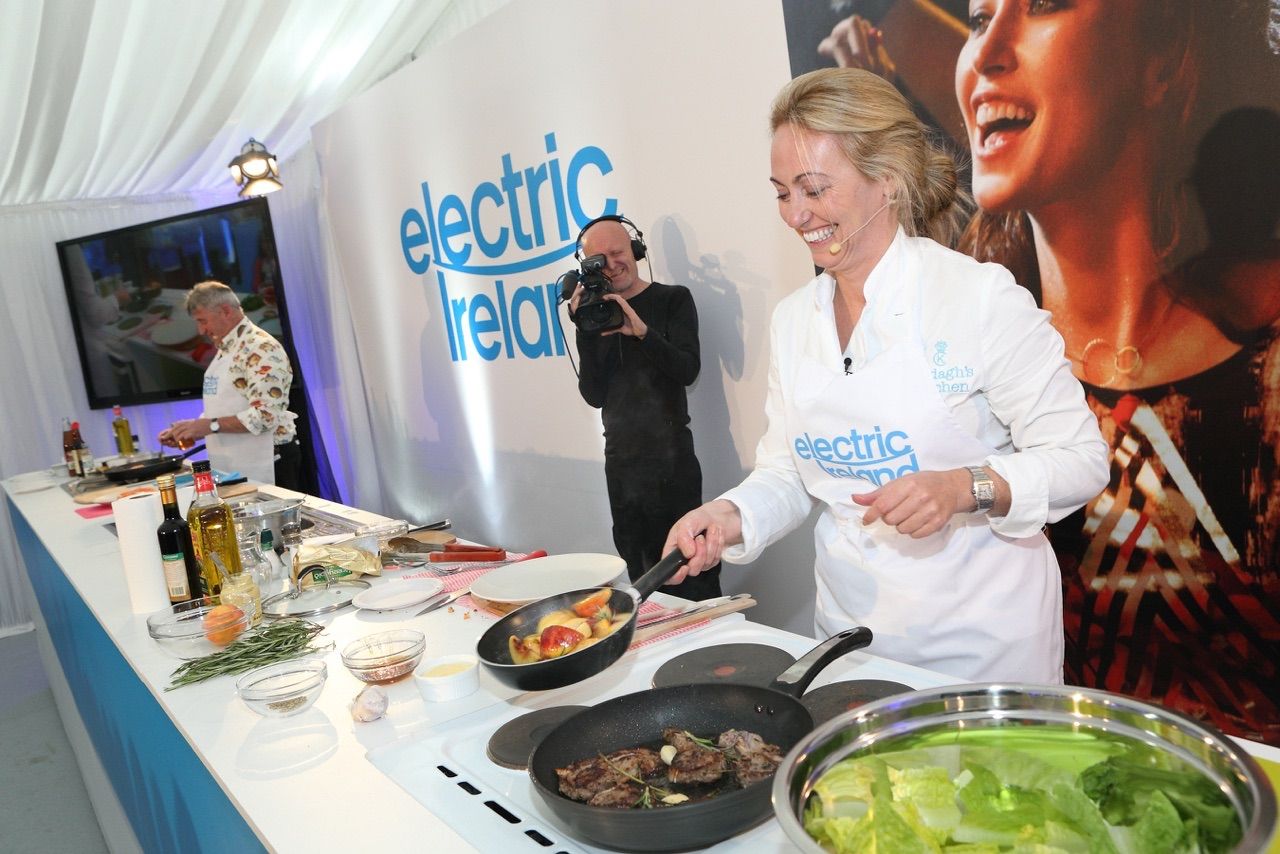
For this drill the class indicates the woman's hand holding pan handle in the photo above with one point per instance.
(702, 534)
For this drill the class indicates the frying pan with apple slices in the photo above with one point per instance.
(494, 649)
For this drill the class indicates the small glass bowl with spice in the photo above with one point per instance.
(384, 657)
(284, 689)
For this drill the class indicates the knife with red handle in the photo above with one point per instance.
(476, 556)
(468, 547)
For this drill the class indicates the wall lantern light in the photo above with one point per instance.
(254, 169)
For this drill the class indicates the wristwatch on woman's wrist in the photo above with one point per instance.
(984, 489)
(213, 425)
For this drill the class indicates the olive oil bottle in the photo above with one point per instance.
(213, 531)
(124, 435)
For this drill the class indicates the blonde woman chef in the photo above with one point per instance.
(919, 397)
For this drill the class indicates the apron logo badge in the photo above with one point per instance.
(876, 456)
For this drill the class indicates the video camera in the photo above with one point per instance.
(594, 314)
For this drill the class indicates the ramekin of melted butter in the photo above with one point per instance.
(450, 677)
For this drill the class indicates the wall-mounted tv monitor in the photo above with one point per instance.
(126, 289)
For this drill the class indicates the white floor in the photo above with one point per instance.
(43, 804)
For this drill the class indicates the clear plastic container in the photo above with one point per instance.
(383, 532)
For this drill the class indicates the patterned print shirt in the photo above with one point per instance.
(260, 371)
(1171, 577)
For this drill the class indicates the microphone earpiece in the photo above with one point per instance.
(568, 284)
(835, 248)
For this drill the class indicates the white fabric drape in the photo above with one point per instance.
(320, 321)
(120, 98)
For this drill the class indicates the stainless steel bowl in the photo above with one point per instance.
(995, 705)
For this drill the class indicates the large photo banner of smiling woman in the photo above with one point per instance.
(1124, 158)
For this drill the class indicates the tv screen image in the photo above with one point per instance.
(127, 290)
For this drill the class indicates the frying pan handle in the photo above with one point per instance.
(662, 570)
(797, 677)
(197, 449)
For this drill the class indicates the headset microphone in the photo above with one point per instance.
(835, 248)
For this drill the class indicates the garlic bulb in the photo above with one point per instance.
(370, 704)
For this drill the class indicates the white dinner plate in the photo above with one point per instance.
(527, 580)
(397, 594)
(32, 481)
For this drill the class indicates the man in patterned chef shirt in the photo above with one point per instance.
(246, 424)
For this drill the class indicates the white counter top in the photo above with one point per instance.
(304, 783)
(278, 771)
(238, 746)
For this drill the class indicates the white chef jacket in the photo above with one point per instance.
(998, 367)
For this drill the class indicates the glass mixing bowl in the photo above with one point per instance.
(384, 657)
(193, 629)
(283, 689)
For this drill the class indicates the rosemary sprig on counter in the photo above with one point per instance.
(270, 643)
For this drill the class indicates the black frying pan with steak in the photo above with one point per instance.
(774, 713)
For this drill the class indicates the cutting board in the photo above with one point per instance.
(648, 632)
(107, 494)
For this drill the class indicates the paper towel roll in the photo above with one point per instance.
(137, 518)
(186, 494)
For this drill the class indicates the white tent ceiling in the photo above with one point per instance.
(128, 98)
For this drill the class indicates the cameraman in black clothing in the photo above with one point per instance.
(637, 373)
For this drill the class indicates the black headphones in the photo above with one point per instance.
(638, 248)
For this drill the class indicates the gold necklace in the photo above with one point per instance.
(1102, 362)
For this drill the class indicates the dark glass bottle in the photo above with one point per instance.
(181, 571)
(81, 456)
(69, 446)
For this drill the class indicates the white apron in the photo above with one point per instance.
(252, 456)
(964, 601)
